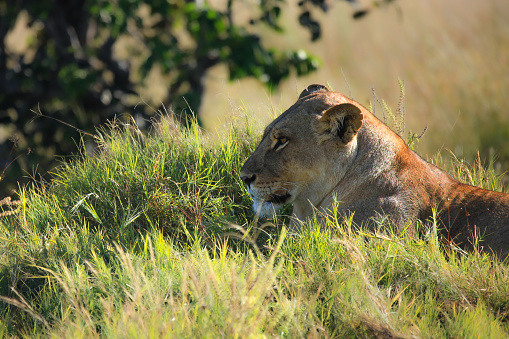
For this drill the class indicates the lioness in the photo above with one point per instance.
(328, 149)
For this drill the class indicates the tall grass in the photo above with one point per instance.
(142, 240)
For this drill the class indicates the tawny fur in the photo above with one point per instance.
(339, 153)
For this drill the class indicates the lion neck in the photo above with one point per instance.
(373, 157)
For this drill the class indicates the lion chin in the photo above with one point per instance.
(266, 208)
(271, 206)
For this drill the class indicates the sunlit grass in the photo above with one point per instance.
(154, 237)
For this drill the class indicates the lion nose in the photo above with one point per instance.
(248, 179)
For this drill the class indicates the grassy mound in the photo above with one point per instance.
(154, 237)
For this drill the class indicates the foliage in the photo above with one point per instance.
(133, 243)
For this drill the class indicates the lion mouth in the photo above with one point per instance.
(278, 199)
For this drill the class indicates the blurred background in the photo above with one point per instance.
(69, 66)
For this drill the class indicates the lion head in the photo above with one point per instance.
(292, 163)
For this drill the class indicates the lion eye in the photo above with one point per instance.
(280, 143)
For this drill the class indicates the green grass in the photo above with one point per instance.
(154, 237)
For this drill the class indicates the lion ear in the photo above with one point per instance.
(313, 89)
(340, 122)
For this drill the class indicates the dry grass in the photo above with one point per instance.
(451, 55)
(8, 206)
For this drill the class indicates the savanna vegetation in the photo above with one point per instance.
(85, 62)
(154, 236)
